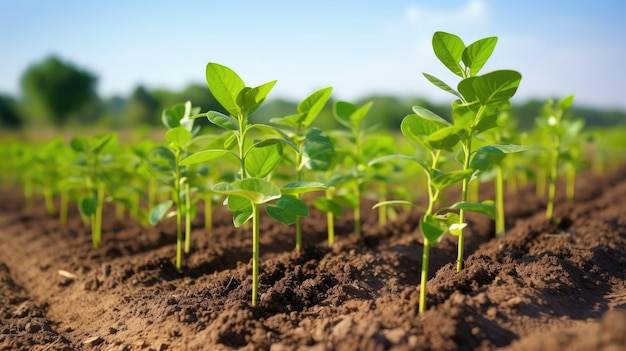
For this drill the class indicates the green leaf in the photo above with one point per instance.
(486, 207)
(158, 212)
(162, 158)
(79, 144)
(349, 114)
(221, 120)
(502, 148)
(253, 98)
(225, 85)
(257, 190)
(261, 159)
(327, 205)
(240, 217)
(444, 180)
(237, 203)
(313, 105)
(171, 116)
(318, 151)
(287, 209)
(290, 121)
(444, 139)
(88, 205)
(396, 203)
(400, 157)
(301, 187)
(283, 138)
(476, 54)
(204, 156)
(449, 50)
(178, 136)
(496, 87)
(441, 84)
(433, 229)
(566, 102)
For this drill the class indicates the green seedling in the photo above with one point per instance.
(557, 130)
(257, 156)
(352, 117)
(490, 159)
(94, 157)
(479, 99)
(315, 150)
(167, 160)
(431, 136)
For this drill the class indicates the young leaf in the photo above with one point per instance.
(486, 207)
(225, 85)
(445, 138)
(178, 136)
(502, 148)
(301, 187)
(396, 203)
(287, 209)
(261, 160)
(240, 217)
(158, 212)
(251, 99)
(566, 102)
(327, 205)
(449, 50)
(171, 116)
(88, 205)
(222, 120)
(257, 190)
(349, 114)
(313, 105)
(476, 54)
(445, 180)
(441, 84)
(433, 228)
(496, 87)
(203, 156)
(318, 152)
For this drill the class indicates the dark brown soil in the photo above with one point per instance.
(545, 286)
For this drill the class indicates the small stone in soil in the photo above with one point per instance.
(93, 341)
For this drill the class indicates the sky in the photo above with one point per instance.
(358, 47)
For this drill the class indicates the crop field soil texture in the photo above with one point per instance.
(543, 286)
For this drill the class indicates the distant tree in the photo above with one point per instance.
(9, 115)
(142, 108)
(57, 89)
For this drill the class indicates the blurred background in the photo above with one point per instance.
(115, 65)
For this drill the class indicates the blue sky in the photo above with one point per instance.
(358, 47)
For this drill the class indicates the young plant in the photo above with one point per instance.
(315, 150)
(479, 99)
(257, 158)
(552, 124)
(94, 158)
(351, 117)
(167, 160)
(431, 136)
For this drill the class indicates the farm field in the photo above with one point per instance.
(543, 286)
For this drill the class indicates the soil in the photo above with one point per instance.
(547, 285)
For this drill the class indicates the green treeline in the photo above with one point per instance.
(56, 93)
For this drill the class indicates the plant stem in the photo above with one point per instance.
(63, 205)
(553, 176)
(255, 253)
(330, 220)
(96, 234)
(500, 225)
(382, 210)
(208, 212)
(179, 214)
(466, 150)
(187, 218)
(357, 210)
(424, 276)
(298, 233)
(49, 201)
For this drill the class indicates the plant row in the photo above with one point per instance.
(288, 166)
